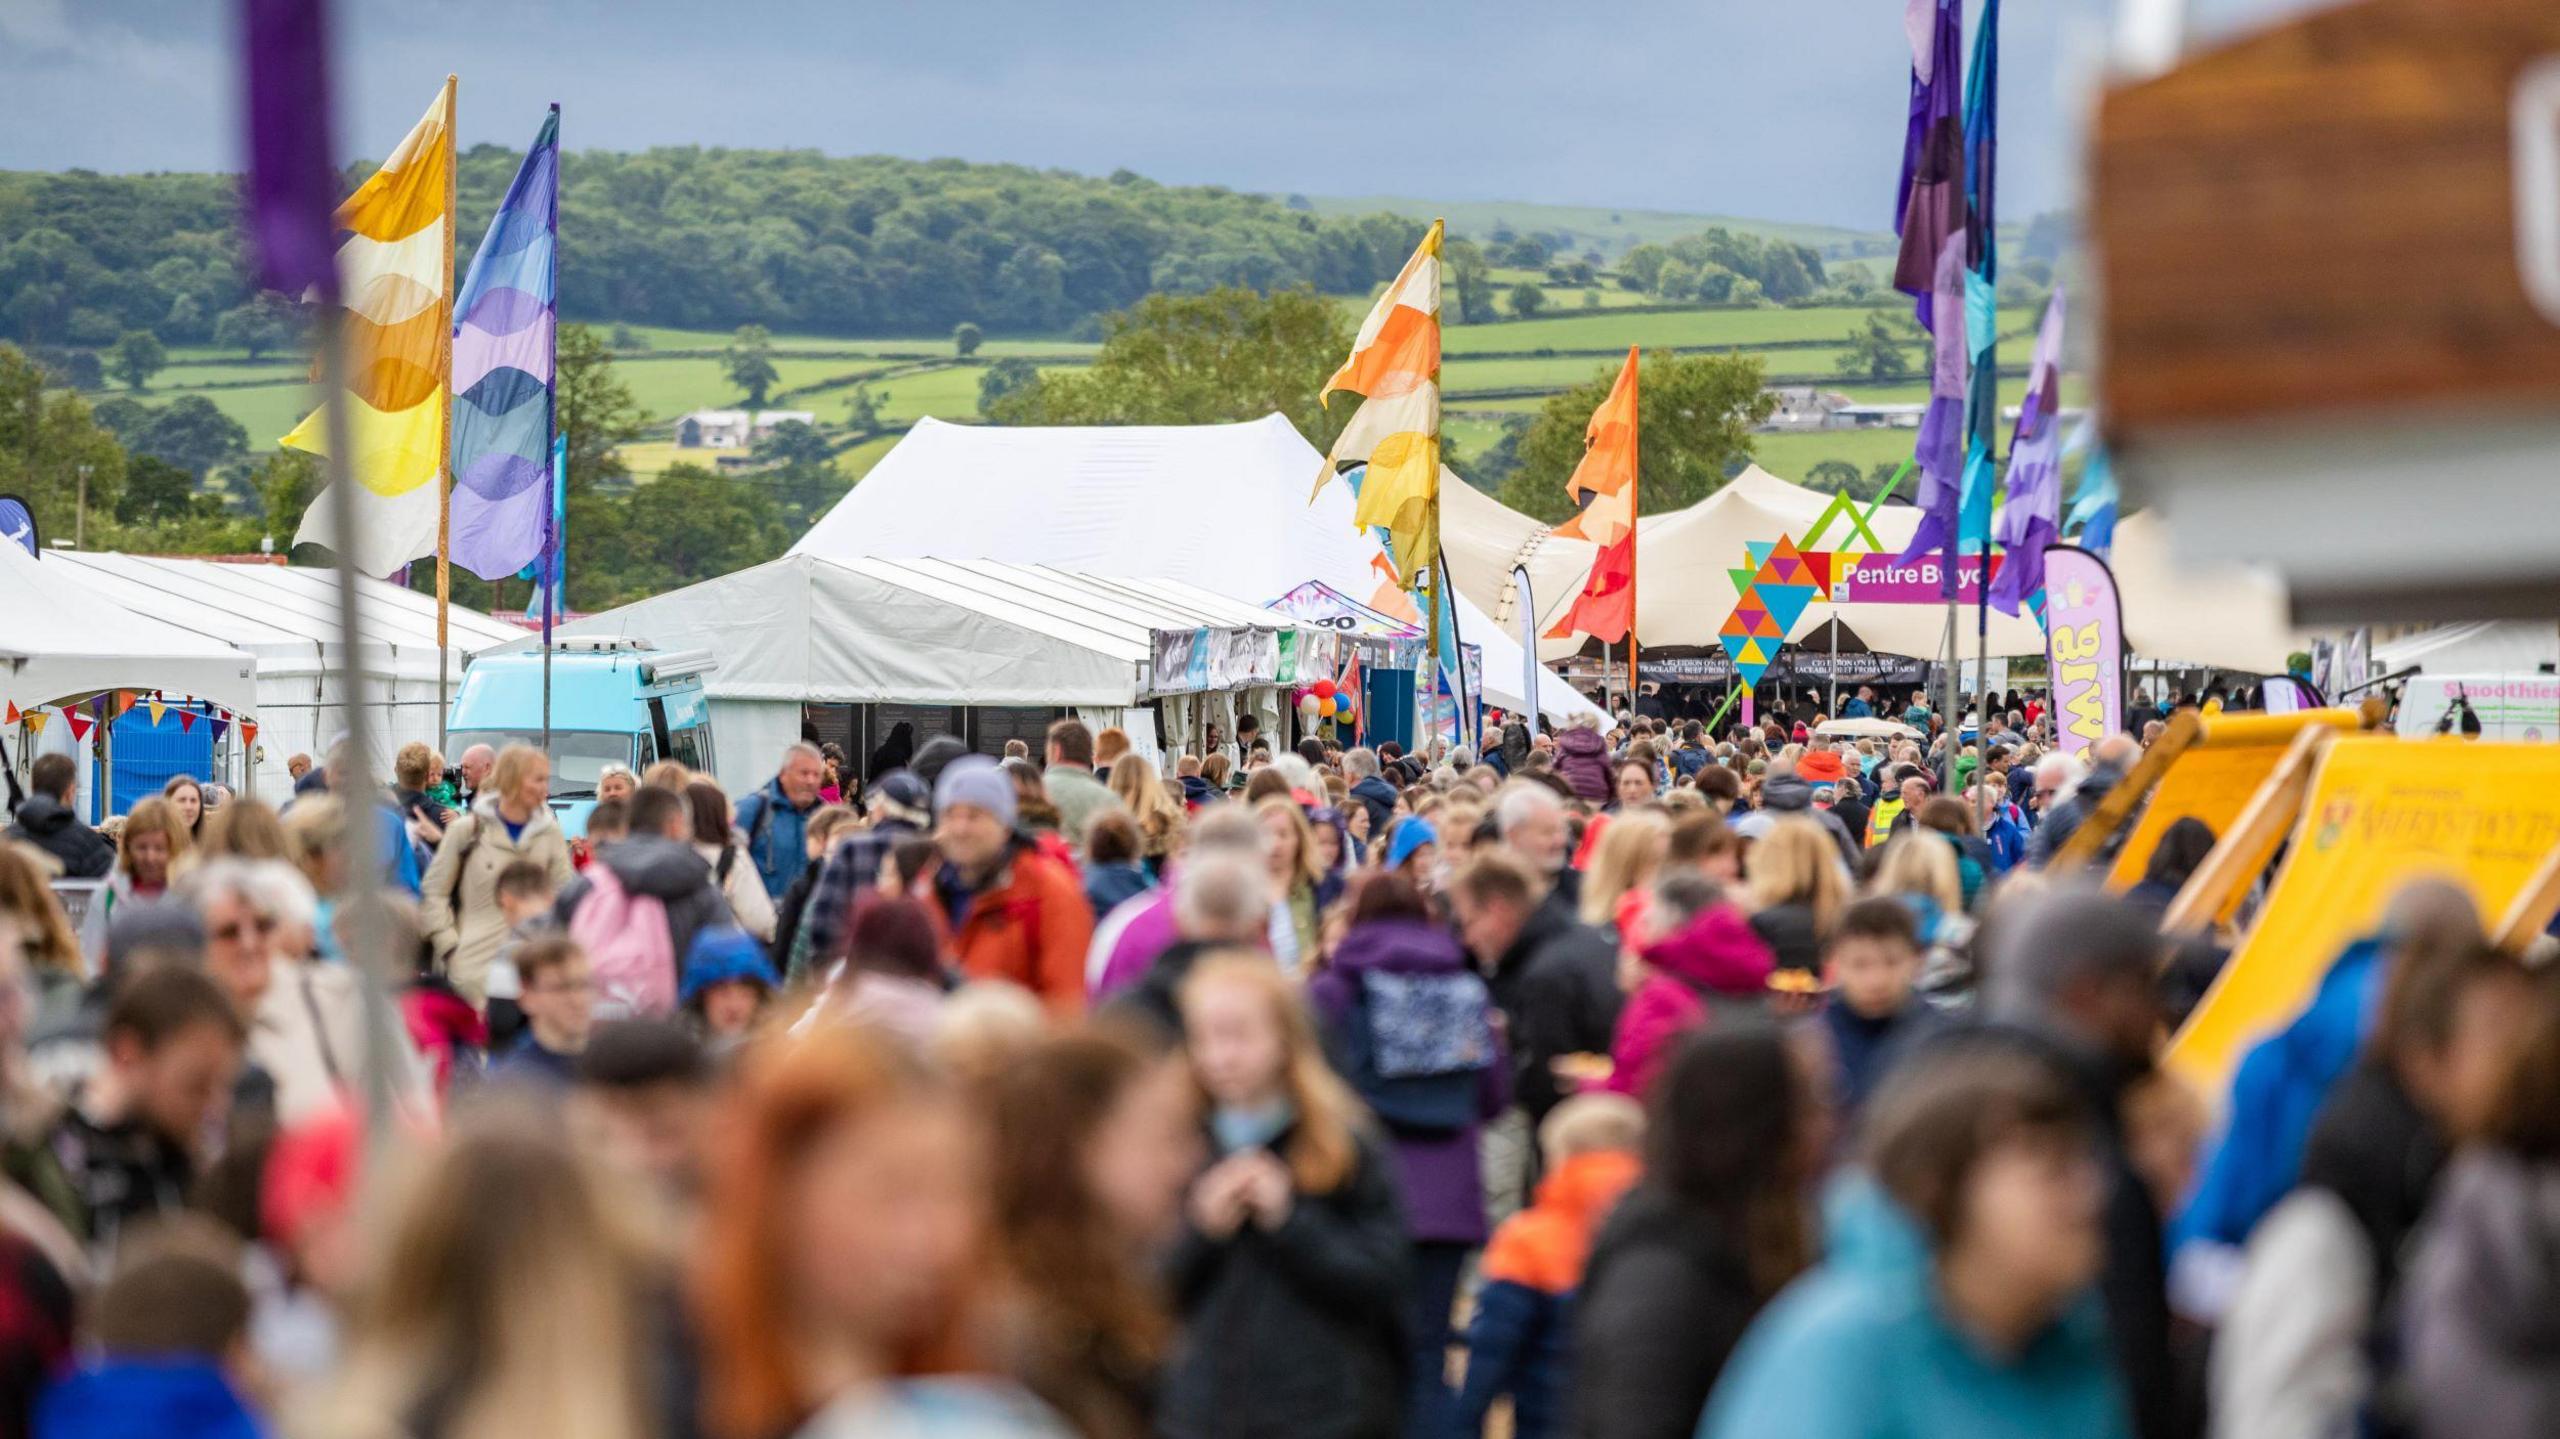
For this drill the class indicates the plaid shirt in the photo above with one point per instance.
(853, 868)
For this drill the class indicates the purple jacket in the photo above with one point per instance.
(1442, 1176)
(1582, 760)
(1129, 939)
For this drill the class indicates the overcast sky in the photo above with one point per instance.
(1775, 109)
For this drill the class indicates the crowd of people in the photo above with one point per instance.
(1624, 1082)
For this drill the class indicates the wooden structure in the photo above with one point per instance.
(2330, 256)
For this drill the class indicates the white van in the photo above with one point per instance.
(2510, 707)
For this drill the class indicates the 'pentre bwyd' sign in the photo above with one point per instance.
(2084, 647)
(1878, 579)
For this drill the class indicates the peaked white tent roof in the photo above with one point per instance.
(61, 639)
(2231, 616)
(286, 617)
(924, 631)
(1220, 507)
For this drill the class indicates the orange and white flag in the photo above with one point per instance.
(1395, 368)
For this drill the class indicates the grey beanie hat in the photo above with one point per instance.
(979, 781)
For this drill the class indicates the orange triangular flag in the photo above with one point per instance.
(124, 701)
(35, 721)
(1609, 464)
(248, 731)
(13, 713)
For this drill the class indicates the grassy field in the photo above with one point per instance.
(1612, 232)
(936, 347)
(1672, 329)
(1790, 457)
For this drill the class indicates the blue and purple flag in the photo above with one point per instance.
(2031, 515)
(550, 568)
(1982, 278)
(504, 355)
(1941, 452)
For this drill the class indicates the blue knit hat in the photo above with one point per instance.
(724, 953)
(1409, 835)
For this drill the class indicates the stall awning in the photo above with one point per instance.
(929, 631)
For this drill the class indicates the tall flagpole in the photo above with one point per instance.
(444, 431)
(1635, 537)
(1433, 580)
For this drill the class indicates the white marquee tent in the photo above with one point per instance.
(285, 620)
(2231, 617)
(811, 629)
(1222, 507)
(61, 640)
(2475, 647)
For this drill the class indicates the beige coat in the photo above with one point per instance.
(459, 901)
(308, 1035)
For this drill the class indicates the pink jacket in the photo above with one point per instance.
(1715, 959)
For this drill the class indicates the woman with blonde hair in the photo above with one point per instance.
(843, 1239)
(1629, 852)
(458, 905)
(152, 847)
(1919, 868)
(244, 829)
(52, 951)
(1159, 818)
(509, 1293)
(667, 774)
(1920, 865)
(1295, 935)
(1291, 1274)
(1797, 889)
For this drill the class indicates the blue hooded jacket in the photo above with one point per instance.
(146, 1399)
(1862, 1347)
(2275, 1094)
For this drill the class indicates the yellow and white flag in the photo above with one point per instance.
(1395, 368)
(396, 270)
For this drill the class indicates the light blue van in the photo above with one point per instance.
(613, 701)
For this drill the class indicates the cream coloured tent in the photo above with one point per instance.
(2231, 618)
(1223, 507)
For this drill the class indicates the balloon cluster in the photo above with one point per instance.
(1324, 700)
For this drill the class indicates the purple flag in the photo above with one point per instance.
(1931, 203)
(1942, 449)
(292, 183)
(2032, 517)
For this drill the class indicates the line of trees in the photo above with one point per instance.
(708, 238)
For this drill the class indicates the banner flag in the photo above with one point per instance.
(2084, 647)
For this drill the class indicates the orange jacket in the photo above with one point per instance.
(1031, 928)
(1545, 1246)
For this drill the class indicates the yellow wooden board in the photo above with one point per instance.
(2213, 779)
(2381, 811)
